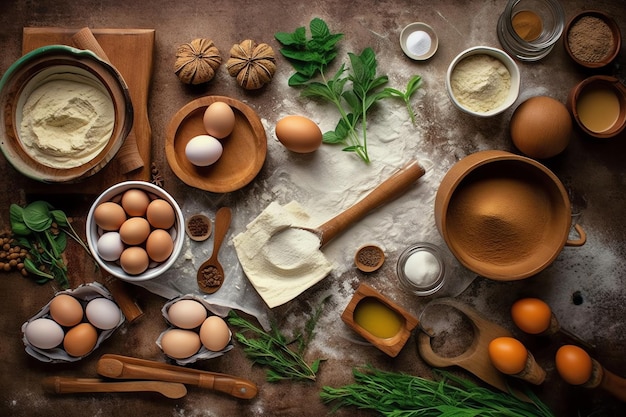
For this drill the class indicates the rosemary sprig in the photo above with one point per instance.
(401, 395)
(272, 349)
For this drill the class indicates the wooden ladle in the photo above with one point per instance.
(212, 267)
(63, 385)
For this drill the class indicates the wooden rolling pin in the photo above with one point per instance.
(63, 385)
(128, 156)
(124, 367)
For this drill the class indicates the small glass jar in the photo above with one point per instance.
(528, 29)
(421, 269)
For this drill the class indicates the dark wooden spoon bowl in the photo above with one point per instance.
(212, 265)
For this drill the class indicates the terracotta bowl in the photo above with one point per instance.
(617, 39)
(34, 69)
(616, 122)
(504, 216)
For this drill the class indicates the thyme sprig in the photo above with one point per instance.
(394, 394)
(273, 350)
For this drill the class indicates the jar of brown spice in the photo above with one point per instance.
(592, 39)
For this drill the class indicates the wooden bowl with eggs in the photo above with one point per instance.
(135, 230)
(243, 154)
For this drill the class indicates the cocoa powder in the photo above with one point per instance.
(590, 39)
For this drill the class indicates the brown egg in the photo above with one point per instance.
(66, 310)
(80, 340)
(214, 333)
(541, 127)
(299, 134)
(159, 245)
(134, 260)
(219, 120)
(180, 344)
(109, 216)
(134, 231)
(160, 214)
(135, 202)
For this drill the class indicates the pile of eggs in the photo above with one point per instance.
(135, 229)
(219, 122)
(193, 328)
(73, 324)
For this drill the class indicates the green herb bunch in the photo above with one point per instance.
(273, 350)
(43, 231)
(400, 395)
(353, 90)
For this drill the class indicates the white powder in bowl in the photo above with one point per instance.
(422, 268)
(480, 82)
(418, 42)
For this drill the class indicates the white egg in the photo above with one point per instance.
(44, 333)
(110, 246)
(203, 150)
(103, 313)
(187, 314)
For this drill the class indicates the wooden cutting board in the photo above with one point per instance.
(131, 52)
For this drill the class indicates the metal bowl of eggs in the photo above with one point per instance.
(135, 230)
(65, 114)
(505, 217)
(483, 81)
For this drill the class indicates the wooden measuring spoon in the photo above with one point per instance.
(63, 385)
(211, 269)
(476, 358)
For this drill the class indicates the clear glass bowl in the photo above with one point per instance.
(421, 269)
(540, 22)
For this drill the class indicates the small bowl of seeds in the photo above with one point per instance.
(369, 258)
(592, 39)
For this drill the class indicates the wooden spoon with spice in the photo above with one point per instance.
(210, 275)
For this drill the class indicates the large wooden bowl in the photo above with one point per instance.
(244, 152)
(32, 70)
(504, 216)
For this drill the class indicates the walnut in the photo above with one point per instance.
(197, 61)
(253, 65)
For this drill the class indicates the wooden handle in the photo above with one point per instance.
(120, 293)
(237, 387)
(384, 192)
(222, 223)
(61, 385)
(128, 156)
(613, 384)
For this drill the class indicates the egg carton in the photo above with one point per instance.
(83, 293)
(203, 353)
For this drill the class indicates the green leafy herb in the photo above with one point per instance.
(272, 349)
(352, 90)
(400, 395)
(413, 85)
(43, 231)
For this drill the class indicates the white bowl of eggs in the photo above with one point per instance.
(135, 230)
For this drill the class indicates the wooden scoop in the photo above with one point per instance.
(476, 358)
(62, 385)
(124, 367)
(128, 156)
(222, 222)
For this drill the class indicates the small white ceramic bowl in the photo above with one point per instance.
(177, 231)
(418, 35)
(508, 62)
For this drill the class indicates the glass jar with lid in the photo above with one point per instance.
(528, 29)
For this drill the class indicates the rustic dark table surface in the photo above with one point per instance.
(586, 286)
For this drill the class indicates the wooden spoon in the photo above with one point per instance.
(607, 380)
(63, 385)
(212, 266)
